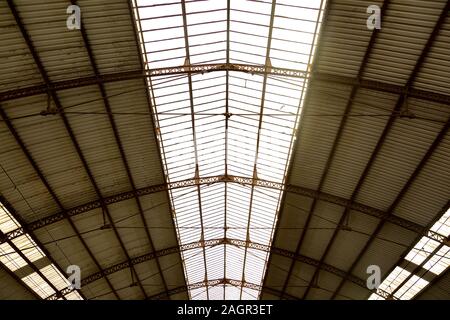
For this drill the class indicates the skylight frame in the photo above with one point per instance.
(428, 255)
(22, 253)
(247, 127)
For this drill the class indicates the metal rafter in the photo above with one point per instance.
(65, 121)
(25, 229)
(386, 130)
(331, 155)
(225, 282)
(205, 68)
(22, 255)
(153, 115)
(194, 137)
(227, 85)
(261, 112)
(294, 148)
(323, 196)
(118, 141)
(216, 242)
(28, 154)
(419, 268)
(431, 285)
(19, 281)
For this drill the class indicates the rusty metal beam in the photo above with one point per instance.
(21, 144)
(226, 147)
(296, 133)
(310, 193)
(258, 138)
(135, 20)
(205, 68)
(330, 156)
(25, 228)
(194, 138)
(386, 130)
(210, 243)
(123, 157)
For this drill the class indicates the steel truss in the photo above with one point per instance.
(310, 193)
(205, 68)
(223, 281)
(211, 243)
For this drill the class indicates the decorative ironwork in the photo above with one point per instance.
(235, 179)
(209, 243)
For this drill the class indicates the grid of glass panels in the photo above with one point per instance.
(431, 255)
(226, 123)
(12, 260)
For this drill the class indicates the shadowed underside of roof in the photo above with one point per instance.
(224, 149)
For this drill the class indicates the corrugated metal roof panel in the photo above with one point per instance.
(439, 291)
(111, 35)
(429, 193)
(24, 179)
(405, 146)
(434, 73)
(300, 277)
(408, 24)
(279, 271)
(157, 214)
(349, 289)
(103, 243)
(323, 222)
(122, 283)
(18, 69)
(94, 135)
(172, 269)
(385, 250)
(345, 37)
(149, 276)
(327, 283)
(126, 218)
(61, 50)
(348, 244)
(358, 140)
(98, 290)
(291, 220)
(135, 130)
(65, 247)
(316, 135)
(51, 149)
(10, 289)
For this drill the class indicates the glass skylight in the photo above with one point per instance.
(22, 251)
(427, 253)
(226, 123)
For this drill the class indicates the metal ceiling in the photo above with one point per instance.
(224, 149)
